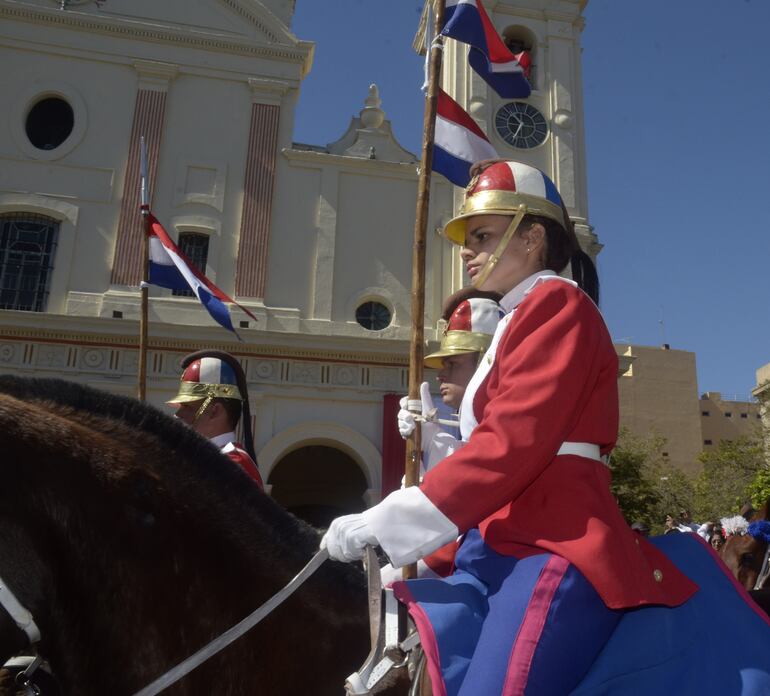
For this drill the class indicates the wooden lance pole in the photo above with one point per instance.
(145, 199)
(416, 350)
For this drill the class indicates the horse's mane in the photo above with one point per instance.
(168, 465)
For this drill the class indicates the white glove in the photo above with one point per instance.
(407, 420)
(346, 538)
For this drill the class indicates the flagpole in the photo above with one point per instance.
(145, 199)
(416, 352)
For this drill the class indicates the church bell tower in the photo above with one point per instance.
(546, 129)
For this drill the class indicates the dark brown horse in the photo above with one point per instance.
(744, 554)
(134, 543)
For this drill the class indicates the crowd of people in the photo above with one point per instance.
(712, 531)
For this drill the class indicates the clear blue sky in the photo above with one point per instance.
(677, 119)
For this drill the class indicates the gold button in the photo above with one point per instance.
(658, 575)
(637, 541)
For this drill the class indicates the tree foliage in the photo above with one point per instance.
(630, 462)
(728, 476)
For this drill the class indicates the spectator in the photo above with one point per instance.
(706, 530)
(671, 525)
(717, 539)
(685, 522)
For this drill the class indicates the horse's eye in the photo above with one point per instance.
(747, 559)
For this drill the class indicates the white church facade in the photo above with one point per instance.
(314, 239)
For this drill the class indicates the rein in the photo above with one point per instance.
(21, 616)
(232, 634)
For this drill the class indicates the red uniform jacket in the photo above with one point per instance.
(241, 457)
(553, 380)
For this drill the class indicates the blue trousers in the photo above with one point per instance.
(502, 625)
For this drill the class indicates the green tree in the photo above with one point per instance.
(759, 488)
(632, 486)
(730, 476)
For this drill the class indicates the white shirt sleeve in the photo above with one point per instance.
(440, 447)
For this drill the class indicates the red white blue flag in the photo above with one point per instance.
(506, 73)
(170, 268)
(458, 142)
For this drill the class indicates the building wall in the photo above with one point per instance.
(727, 420)
(659, 394)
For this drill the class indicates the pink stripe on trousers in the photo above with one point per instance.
(532, 625)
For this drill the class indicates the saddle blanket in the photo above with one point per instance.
(716, 643)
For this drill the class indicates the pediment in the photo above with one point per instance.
(248, 21)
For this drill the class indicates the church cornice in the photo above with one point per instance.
(266, 345)
(406, 170)
(296, 51)
(542, 15)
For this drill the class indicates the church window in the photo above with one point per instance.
(728, 414)
(196, 248)
(373, 316)
(27, 247)
(707, 442)
(744, 415)
(705, 413)
(49, 123)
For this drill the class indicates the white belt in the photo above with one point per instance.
(583, 449)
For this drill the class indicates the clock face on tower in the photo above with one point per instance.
(521, 125)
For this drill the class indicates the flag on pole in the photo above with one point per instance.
(458, 142)
(468, 22)
(170, 268)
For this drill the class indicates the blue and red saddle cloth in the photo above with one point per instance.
(499, 625)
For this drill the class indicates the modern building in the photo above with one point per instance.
(314, 239)
(659, 395)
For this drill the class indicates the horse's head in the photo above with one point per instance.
(746, 546)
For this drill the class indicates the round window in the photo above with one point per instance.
(374, 316)
(49, 123)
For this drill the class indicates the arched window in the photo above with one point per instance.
(27, 248)
(195, 247)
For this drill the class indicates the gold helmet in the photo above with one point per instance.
(214, 374)
(507, 188)
(207, 378)
(470, 330)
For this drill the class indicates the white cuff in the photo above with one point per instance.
(409, 526)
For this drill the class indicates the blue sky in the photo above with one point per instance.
(677, 120)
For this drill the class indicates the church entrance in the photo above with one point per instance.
(318, 483)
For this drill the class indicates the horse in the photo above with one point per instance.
(133, 542)
(745, 554)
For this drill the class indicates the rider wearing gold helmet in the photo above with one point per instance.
(212, 396)
(547, 560)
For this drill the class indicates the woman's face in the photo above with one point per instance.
(519, 260)
(717, 540)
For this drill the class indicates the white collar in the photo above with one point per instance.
(223, 439)
(513, 298)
